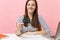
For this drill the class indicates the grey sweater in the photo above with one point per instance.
(30, 28)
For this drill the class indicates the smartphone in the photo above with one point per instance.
(26, 20)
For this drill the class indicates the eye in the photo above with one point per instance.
(28, 4)
(33, 5)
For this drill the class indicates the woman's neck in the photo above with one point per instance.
(30, 16)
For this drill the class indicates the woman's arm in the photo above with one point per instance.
(43, 32)
(19, 25)
(44, 25)
(18, 29)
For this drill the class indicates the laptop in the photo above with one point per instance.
(57, 36)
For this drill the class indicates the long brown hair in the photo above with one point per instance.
(35, 21)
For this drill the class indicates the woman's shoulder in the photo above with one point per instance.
(40, 17)
(20, 17)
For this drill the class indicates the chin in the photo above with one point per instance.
(31, 11)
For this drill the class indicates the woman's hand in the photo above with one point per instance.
(18, 33)
(19, 28)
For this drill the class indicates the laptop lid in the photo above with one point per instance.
(57, 36)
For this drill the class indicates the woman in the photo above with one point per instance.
(31, 23)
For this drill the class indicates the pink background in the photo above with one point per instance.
(11, 9)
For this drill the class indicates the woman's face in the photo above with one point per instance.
(31, 6)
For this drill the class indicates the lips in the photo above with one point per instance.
(31, 9)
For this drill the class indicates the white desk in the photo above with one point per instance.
(24, 37)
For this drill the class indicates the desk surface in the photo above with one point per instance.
(24, 37)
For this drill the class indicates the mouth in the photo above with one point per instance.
(30, 9)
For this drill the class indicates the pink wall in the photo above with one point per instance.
(11, 9)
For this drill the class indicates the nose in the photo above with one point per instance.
(30, 6)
